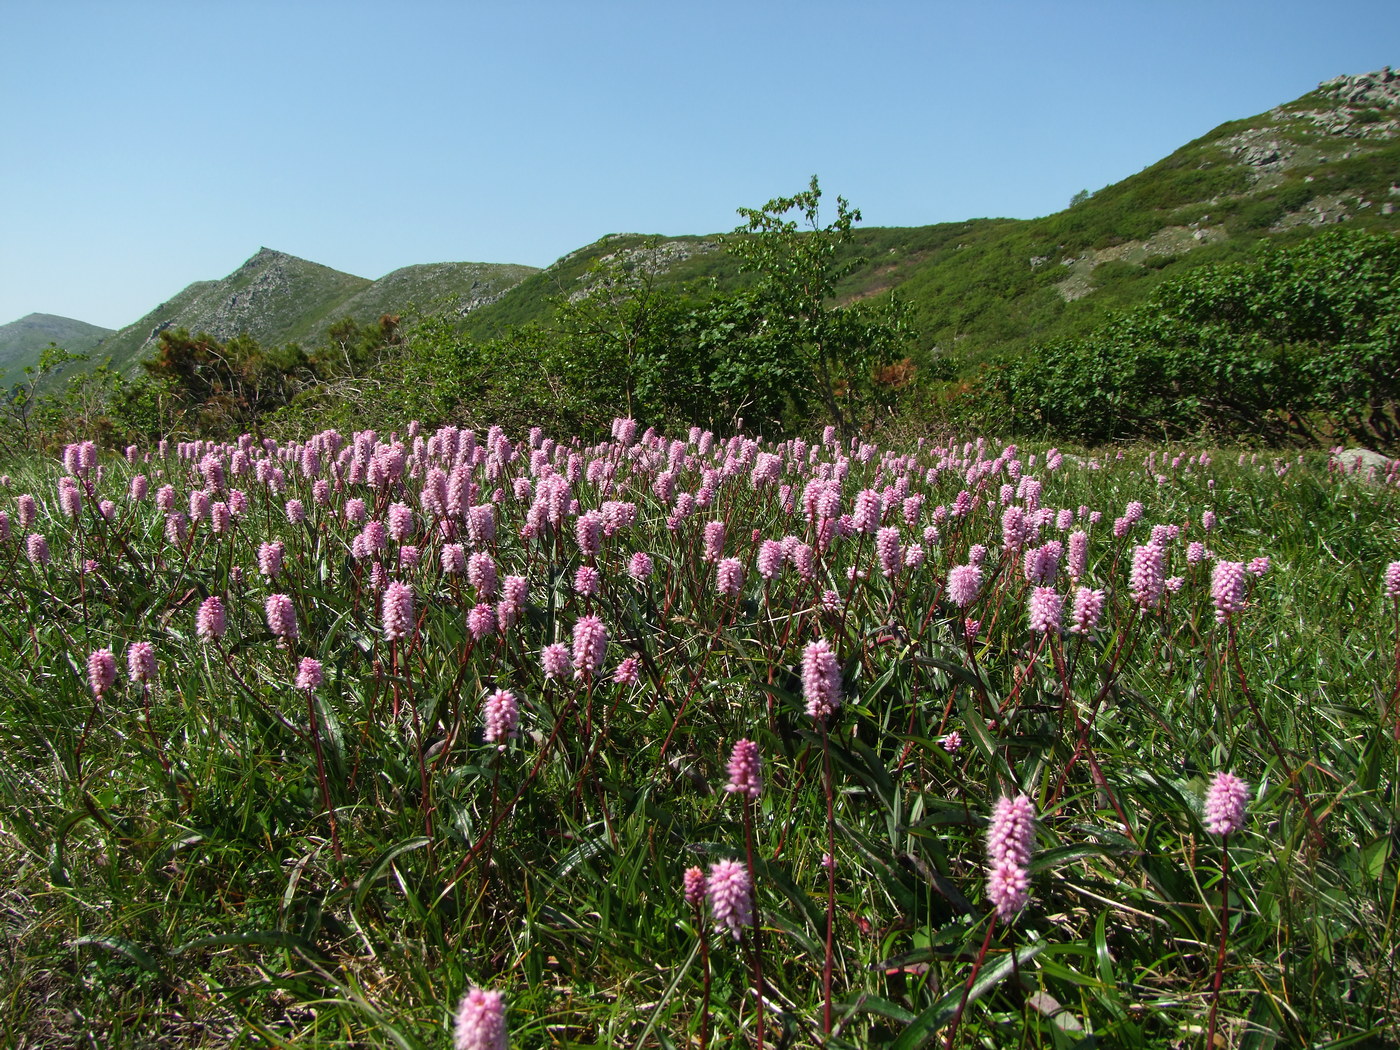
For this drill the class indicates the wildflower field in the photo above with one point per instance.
(425, 739)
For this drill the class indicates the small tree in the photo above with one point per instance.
(833, 350)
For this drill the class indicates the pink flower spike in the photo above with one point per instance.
(1010, 836)
(629, 672)
(745, 770)
(964, 581)
(821, 680)
(501, 713)
(1046, 610)
(731, 896)
(1227, 588)
(1225, 802)
(590, 646)
(102, 671)
(281, 616)
(398, 611)
(695, 885)
(729, 577)
(308, 675)
(481, 1022)
(141, 662)
(556, 660)
(1392, 580)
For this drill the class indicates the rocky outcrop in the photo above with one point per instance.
(1378, 90)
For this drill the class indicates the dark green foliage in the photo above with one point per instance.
(774, 350)
(222, 388)
(1301, 346)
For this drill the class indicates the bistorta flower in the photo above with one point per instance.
(745, 770)
(1225, 802)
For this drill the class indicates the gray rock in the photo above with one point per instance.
(1360, 460)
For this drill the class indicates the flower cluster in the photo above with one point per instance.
(1009, 839)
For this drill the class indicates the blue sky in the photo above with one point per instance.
(149, 145)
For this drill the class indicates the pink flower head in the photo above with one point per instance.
(729, 577)
(37, 548)
(1225, 802)
(1148, 577)
(1088, 607)
(695, 885)
(587, 581)
(481, 621)
(1046, 610)
(397, 611)
(745, 770)
(588, 528)
(1392, 580)
(210, 622)
(590, 646)
(102, 671)
(296, 511)
(639, 566)
(281, 616)
(868, 511)
(714, 540)
(964, 581)
(481, 1022)
(1010, 836)
(731, 896)
(141, 662)
(452, 558)
(888, 551)
(400, 521)
(628, 672)
(70, 499)
(481, 574)
(556, 661)
(770, 559)
(308, 674)
(1227, 588)
(1078, 553)
(951, 742)
(270, 558)
(177, 527)
(821, 680)
(501, 713)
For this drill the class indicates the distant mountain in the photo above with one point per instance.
(273, 297)
(277, 298)
(22, 341)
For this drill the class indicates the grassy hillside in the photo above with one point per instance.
(432, 288)
(22, 341)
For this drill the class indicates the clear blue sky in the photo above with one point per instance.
(147, 145)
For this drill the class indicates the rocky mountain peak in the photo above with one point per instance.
(1378, 90)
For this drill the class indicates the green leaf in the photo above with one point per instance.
(926, 1026)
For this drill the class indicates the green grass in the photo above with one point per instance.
(177, 880)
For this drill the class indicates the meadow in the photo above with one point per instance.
(692, 740)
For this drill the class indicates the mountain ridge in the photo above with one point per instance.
(1332, 155)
